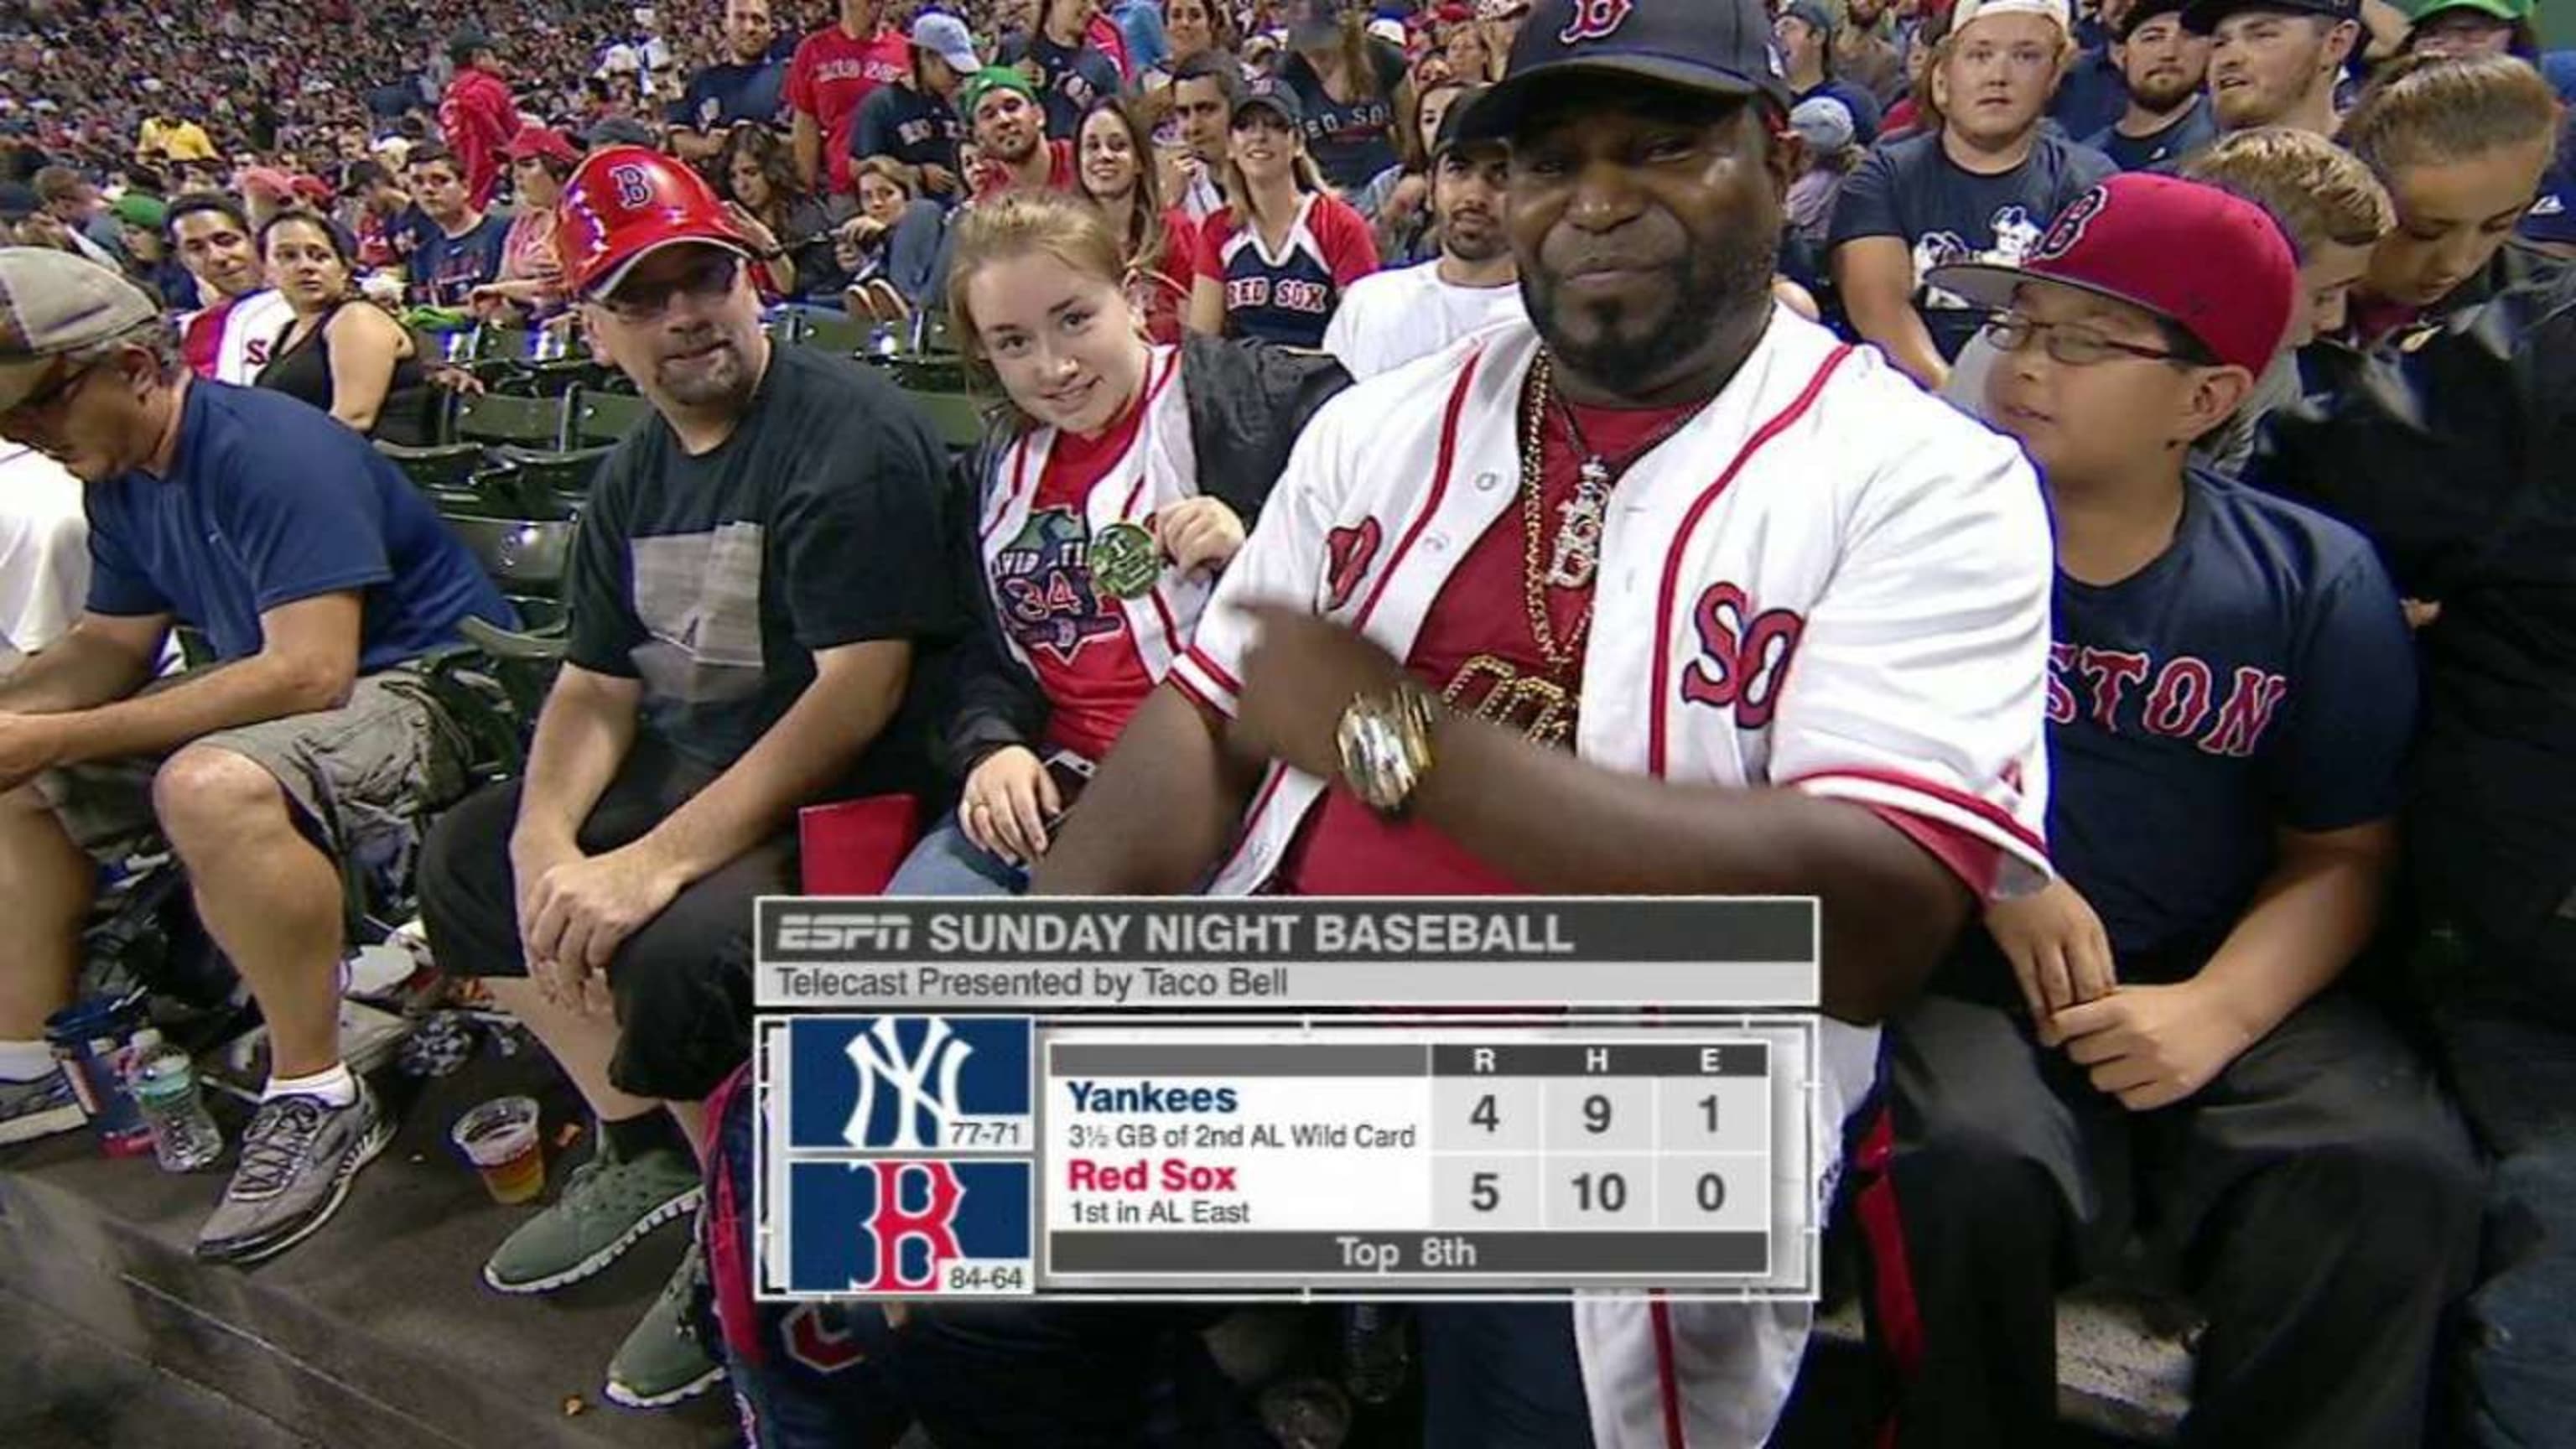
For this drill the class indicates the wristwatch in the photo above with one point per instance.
(1385, 741)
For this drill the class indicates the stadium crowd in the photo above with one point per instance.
(2134, 596)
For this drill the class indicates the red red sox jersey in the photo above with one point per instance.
(1826, 581)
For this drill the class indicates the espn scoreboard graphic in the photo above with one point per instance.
(1222, 1153)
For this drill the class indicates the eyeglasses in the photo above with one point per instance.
(2068, 342)
(640, 299)
(45, 400)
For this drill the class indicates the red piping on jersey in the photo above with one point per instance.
(1665, 597)
(1439, 488)
(1002, 505)
(1395, 560)
(1215, 671)
(1153, 394)
(1900, 1315)
(1668, 1376)
(1985, 810)
(1181, 682)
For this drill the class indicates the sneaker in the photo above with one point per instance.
(661, 1362)
(39, 1108)
(608, 1205)
(297, 1156)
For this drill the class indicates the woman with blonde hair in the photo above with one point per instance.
(1123, 480)
(1345, 80)
(2462, 144)
(1274, 260)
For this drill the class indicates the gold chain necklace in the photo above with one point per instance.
(1562, 660)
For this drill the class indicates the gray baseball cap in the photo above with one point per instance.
(53, 305)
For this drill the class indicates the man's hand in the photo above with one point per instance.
(1301, 674)
(2153, 1046)
(30, 744)
(937, 179)
(586, 908)
(2058, 949)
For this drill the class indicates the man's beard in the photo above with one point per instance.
(1475, 247)
(719, 377)
(1711, 287)
(1028, 148)
(2166, 98)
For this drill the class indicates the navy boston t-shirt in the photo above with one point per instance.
(2257, 674)
(269, 502)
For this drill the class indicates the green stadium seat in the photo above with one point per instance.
(530, 422)
(955, 416)
(836, 333)
(605, 417)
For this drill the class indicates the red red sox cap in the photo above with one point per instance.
(2212, 263)
(1714, 47)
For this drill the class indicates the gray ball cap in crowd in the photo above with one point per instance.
(53, 304)
(1714, 47)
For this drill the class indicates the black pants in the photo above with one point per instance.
(2319, 1200)
(2510, 1051)
(682, 984)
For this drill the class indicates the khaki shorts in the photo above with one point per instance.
(364, 778)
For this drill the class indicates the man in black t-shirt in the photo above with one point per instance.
(1980, 189)
(2167, 117)
(757, 568)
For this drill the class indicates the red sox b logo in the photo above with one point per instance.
(633, 192)
(1348, 553)
(1744, 656)
(1594, 20)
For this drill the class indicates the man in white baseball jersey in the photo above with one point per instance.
(1661, 592)
(1390, 318)
(231, 338)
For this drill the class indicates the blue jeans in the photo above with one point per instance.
(946, 863)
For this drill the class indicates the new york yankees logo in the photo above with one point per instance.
(923, 1083)
(633, 192)
(1595, 20)
(1744, 656)
(1348, 553)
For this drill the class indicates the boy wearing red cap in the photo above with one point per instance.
(2155, 1036)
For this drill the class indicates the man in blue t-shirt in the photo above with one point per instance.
(915, 120)
(2156, 1036)
(1806, 31)
(317, 575)
(749, 85)
(1069, 72)
(2167, 116)
(460, 249)
(1978, 189)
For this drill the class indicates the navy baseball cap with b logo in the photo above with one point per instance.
(1714, 47)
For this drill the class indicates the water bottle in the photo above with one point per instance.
(184, 1137)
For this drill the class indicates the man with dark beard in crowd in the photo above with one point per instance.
(2164, 64)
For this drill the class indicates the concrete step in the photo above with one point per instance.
(377, 1330)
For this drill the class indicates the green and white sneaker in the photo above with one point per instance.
(608, 1205)
(661, 1362)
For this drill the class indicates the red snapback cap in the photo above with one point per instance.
(2207, 260)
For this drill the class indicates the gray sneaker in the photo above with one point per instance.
(662, 1362)
(297, 1157)
(40, 1108)
(608, 1205)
